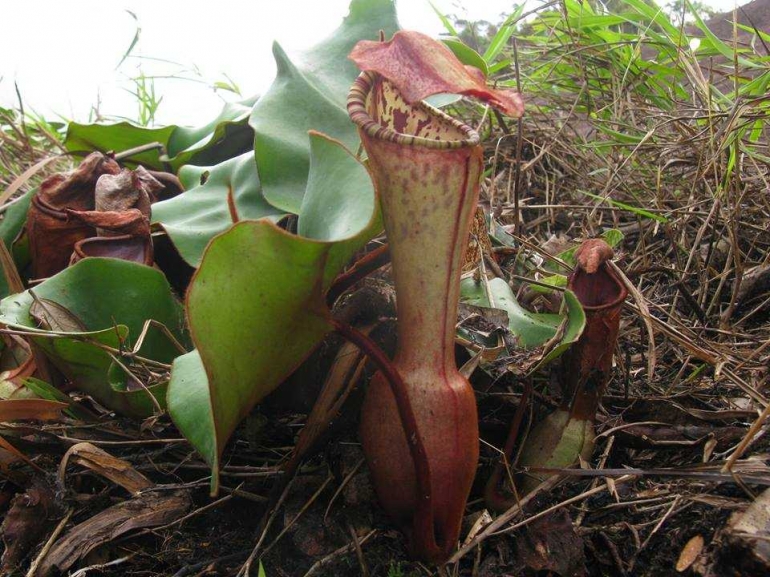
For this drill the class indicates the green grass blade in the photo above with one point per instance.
(503, 35)
(622, 205)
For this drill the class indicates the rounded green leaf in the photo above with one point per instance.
(339, 206)
(194, 217)
(256, 310)
(14, 219)
(103, 292)
(117, 137)
(224, 137)
(88, 366)
(256, 304)
(113, 299)
(310, 93)
(531, 329)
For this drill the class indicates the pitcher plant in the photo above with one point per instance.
(426, 167)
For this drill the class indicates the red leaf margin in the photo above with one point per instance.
(420, 66)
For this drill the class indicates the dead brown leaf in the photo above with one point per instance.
(116, 470)
(51, 316)
(690, 553)
(147, 510)
(30, 409)
(51, 233)
(29, 518)
(14, 455)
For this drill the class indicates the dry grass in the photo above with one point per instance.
(660, 153)
(25, 141)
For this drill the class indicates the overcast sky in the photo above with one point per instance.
(63, 54)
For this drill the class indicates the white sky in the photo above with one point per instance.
(63, 54)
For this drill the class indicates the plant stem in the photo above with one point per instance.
(363, 267)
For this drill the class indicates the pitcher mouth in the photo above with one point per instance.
(599, 291)
(430, 127)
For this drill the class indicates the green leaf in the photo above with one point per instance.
(554, 280)
(47, 391)
(576, 322)
(256, 306)
(628, 207)
(558, 441)
(118, 137)
(718, 45)
(444, 20)
(613, 237)
(134, 41)
(340, 205)
(256, 310)
(755, 31)
(194, 217)
(103, 292)
(189, 404)
(310, 93)
(226, 136)
(88, 365)
(112, 299)
(14, 219)
(655, 15)
(466, 54)
(620, 137)
(498, 66)
(531, 329)
(503, 35)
